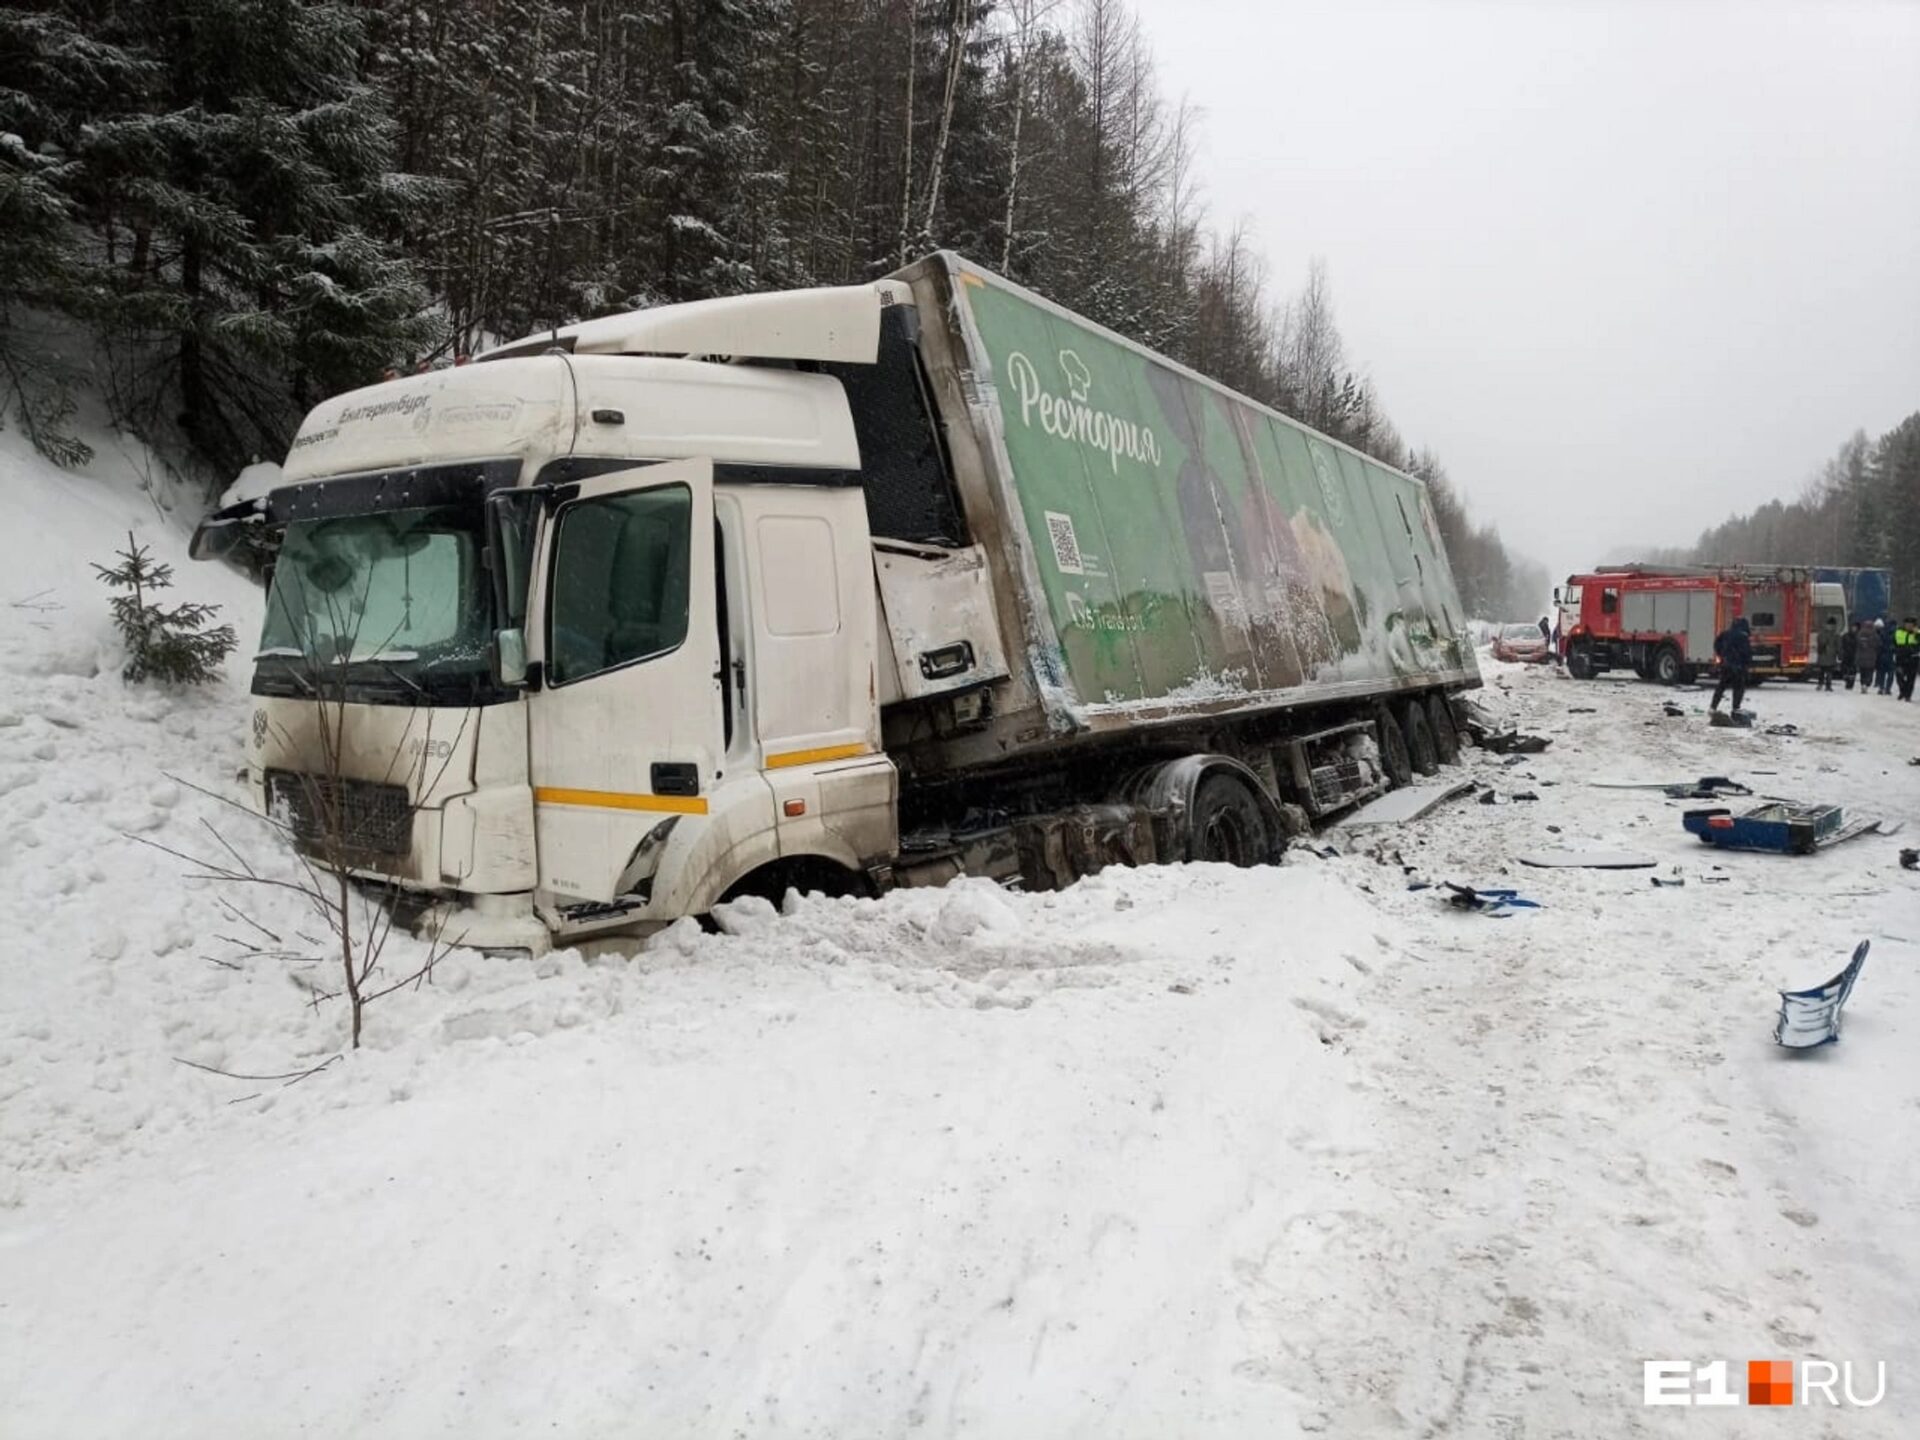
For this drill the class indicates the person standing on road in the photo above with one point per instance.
(1826, 652)
(1883, 659)
(1906, 655)
(1849, 655)
(1734, 646)
(1867, 655)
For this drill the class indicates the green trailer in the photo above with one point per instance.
(1166, 553)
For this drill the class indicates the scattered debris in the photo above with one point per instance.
(1581, 710)
(1513, 760)
(1707, 787)
(1670, 882)
(1673, 711)
(1910, 859)
(1512, 742)
(1495, 903)
(1523, 795)
(1490, 797)
(1811, 1018)
(1782, 827)
(1738, 720)
(1398, 806)
(1586, 860)
(1783, 729)
(1553, 829)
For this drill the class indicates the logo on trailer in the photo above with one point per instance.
(259, 728)
(1073, 416)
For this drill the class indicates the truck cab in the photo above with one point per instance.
(577, 633)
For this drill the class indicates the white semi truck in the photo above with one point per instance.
(839, 588)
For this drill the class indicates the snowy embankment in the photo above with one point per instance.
(1183, 1151)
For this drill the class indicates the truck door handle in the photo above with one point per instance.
(674, 777)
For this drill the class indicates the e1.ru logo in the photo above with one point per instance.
(1769, 1382)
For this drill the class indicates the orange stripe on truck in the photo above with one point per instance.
(619, 800)
(814, 757)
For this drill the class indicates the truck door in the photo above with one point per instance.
(626, 728)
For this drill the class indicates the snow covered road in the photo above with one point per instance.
(1186, 1151)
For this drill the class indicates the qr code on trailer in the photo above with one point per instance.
(1066, 545)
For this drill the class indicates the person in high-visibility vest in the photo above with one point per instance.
(1906, 654)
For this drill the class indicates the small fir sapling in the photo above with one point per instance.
(171, 643)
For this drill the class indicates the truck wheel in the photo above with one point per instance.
(1420, 747)
(1228, 825)
(1393, 751)
(1446, 735)
(1667, 667)
(1580, 663)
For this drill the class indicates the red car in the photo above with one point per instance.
(1523, 644)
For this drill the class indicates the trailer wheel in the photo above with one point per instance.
(1446, 735)
(1580, 663)
(1667, 666)
(1393, 751)
(1421, 749)
(1228, 824)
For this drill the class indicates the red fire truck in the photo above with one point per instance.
(1660, 621)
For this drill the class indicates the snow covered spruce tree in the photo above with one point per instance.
(51, 75)
(704, 178)
(172, 643)
(242, 189)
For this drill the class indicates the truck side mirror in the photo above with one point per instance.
(1556, 594)
(510, 657)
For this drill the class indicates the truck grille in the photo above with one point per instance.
(372, 818)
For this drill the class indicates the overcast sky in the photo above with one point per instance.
(1628, 265)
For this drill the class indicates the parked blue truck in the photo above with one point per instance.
(1869, 592)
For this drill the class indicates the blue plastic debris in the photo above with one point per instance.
(1498, 904)
(1811, 1018)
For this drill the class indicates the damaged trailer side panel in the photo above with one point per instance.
(1166, 550)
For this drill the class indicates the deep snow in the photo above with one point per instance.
(1183, 1151)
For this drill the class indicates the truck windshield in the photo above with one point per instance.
(398, 597)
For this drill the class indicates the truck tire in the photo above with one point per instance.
(1580, 663)
(1421, 750)
(1446, 735)
(1393, 751)
(1667, 666)
(1228, 824)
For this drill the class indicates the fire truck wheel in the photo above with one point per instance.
(1419, 732)
(1580, 663)
(1446, 735)
(1393, 751)
(1667, 666)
